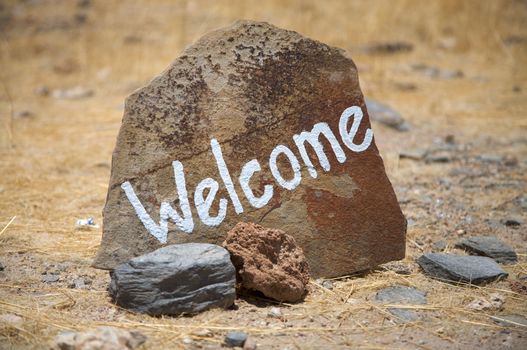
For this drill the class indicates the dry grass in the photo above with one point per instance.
(54, 167)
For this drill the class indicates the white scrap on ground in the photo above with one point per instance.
(86, 224)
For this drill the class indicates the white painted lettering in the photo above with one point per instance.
(245, 176)
(313, 137)
(225, 176)
(185, 223)
(297, 177)
(203, 205)
(210, 186)
(348, 136)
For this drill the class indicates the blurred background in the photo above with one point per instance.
(453, 71)
(449, 68)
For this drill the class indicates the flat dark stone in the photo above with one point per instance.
(177, 279)
(457, 268)
(386, 115)
(510, 320)
(401, 295)
(50, 278)
(404, 315)
(489, 246)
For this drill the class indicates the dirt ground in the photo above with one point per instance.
(469, 111)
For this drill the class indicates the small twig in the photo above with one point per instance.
(6, 226)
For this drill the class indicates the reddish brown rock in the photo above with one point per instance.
(257, 124)
(269, 261)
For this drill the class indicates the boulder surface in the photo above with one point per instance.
(253, 123)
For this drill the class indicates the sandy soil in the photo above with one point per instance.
(55, 160)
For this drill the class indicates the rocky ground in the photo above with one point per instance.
(458, 171)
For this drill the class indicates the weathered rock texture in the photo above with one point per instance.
(269, 261)
(102, 338)
(252, 87)
(456, 268)
(489, 246)
(182, 278)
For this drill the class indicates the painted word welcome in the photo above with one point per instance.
(185, 222)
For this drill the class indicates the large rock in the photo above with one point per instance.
(458, 268)
(489, 246)
(258, 124)
(183, 278)
(268, 261)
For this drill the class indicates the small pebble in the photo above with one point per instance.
(494, 302)
(510, 320)
(42, 90)
(521, 201)
(250, 344)
(2, 267)
(233, 339)
(11, 319)
(490, 158)
(50, 278)
(76, 92)
(414, 154)
(275, 312)
(78, 283)
(439, 246)
(328, 284)
(204, 333)
(512, 222)
(398, 267)
(438, 158)
(24, 114)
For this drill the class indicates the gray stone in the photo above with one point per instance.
(439, 245)
(437, 73)
(510, 320)
(102, 338)
(489, 246)
(404, 315)
(399, 267)
(401, 295)
(414, 154)
(521, 201)
(491, 158)
(389, 47)
(233, 339)
(386, 115)
(439, 157)
(182, 278)
(457, 268)
(275, 312)
(50, 278)
(78, 283)
(73, 93)
(328, 284)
